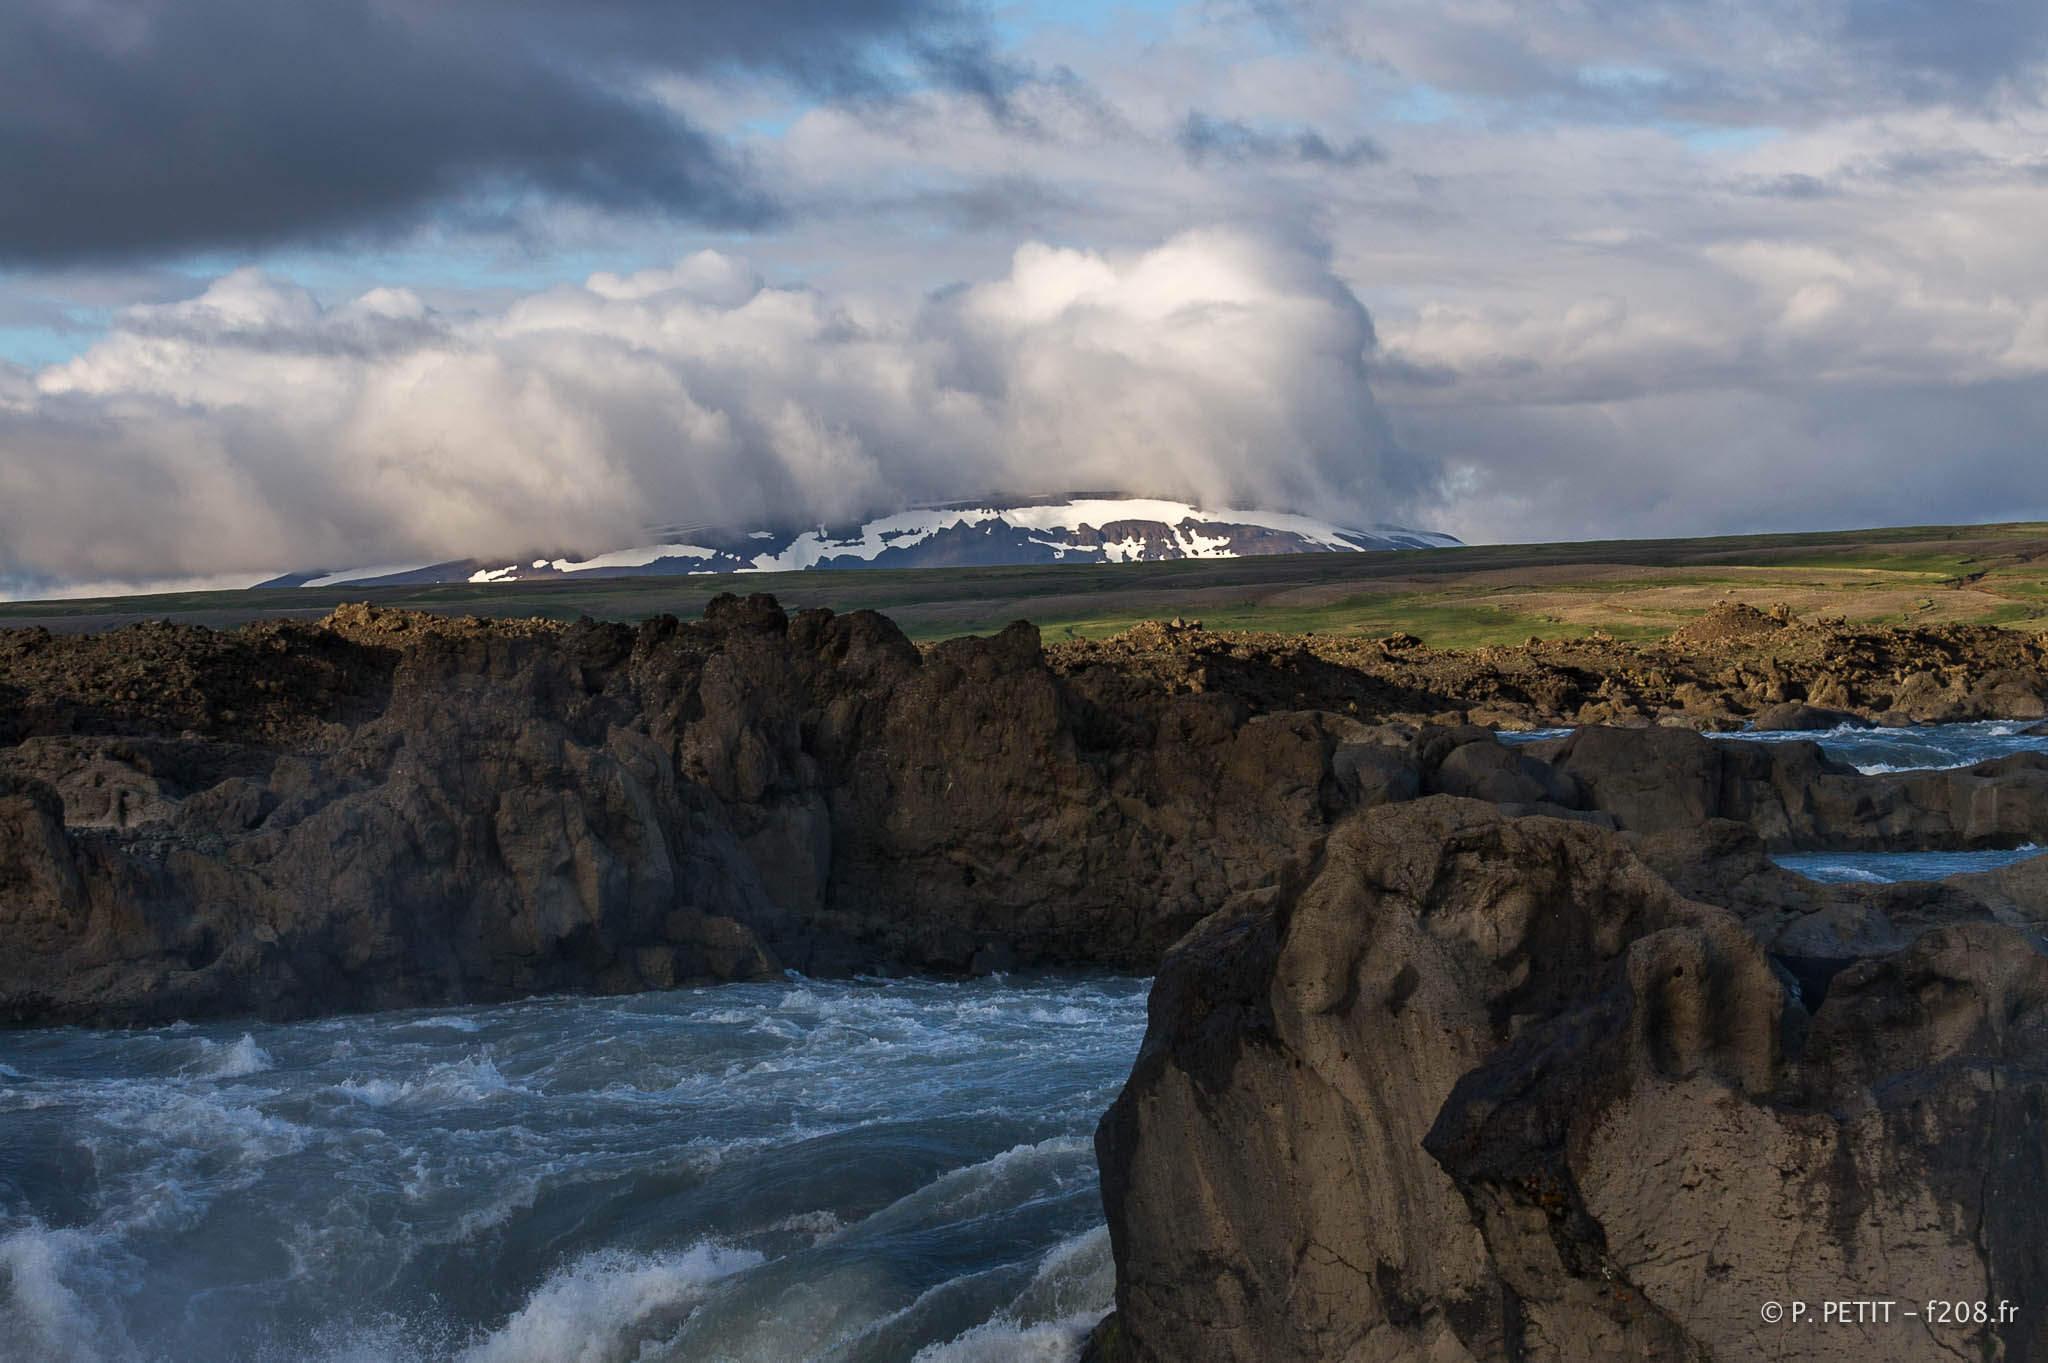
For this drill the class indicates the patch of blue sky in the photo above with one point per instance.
(772, 125)
(1016, 22)
(33, 347)
(335, 276)
(1648, 84)
(1422, 103)
(1624, 80)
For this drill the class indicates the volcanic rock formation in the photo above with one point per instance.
(1734, 666)
(390, 808)
(394, 810)
(1490, 1088)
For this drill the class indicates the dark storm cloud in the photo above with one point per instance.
(1203, 138)
(140, 127)
(1742, 63)
(1962, 50)
(975, 70)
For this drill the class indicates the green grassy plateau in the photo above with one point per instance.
(1453, 598)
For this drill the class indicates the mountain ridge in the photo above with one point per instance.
(1075, 528)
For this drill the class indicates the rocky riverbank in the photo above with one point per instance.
(1460, 1049)
(390, 808)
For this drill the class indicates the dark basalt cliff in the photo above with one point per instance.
(396, 810)
(1491, 1088)
(390, 808)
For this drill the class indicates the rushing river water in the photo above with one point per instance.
(1934, 745)
(1887, 750)
(1873, 868)
(849, 1171)
(843, 1171)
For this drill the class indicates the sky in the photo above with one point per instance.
(353, 282)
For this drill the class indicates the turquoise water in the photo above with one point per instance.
(1872, 868)
(1930, 745)
(845, 1171)
(1934, 746)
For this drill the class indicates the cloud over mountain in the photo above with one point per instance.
(250, 428)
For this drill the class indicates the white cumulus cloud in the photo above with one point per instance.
(251, 429)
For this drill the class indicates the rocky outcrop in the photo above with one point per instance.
(397, 812)
(1797, 799)
(391, 808)
(1492, 1088)
(1732, 667)
(1788, 793)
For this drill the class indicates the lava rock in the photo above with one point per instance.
(1492, 1088)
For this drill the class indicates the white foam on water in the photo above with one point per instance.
(1077, 1277)
(385, 1340)
(1002, 1341)
(1887, 868)
(1854, 874)
(1074, 1287)
(462, 1083)
(820, 1226)
(993, 1184)
(238, 1129)
(378, 1154)
(233, 1060)
(1070, 1014)
(452, 1023)
(604, 1306)
(43, 1315)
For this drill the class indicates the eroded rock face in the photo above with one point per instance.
(476, 812)
(391, 809)
(1490, 1088)
(1790, 793)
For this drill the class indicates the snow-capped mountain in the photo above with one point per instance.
(1080, 529)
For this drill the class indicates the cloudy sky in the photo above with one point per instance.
(346, 282)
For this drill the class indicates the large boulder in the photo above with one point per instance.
(1798, 716)
(1489, 1088)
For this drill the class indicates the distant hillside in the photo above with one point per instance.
(1081, 529)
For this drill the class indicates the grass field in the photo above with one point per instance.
(1465, 597)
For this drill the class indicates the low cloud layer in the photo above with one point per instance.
(250, 429)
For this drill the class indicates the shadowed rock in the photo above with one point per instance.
(486, 812)
(1489, 1088)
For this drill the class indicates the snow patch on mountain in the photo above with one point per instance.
(1080, 529)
